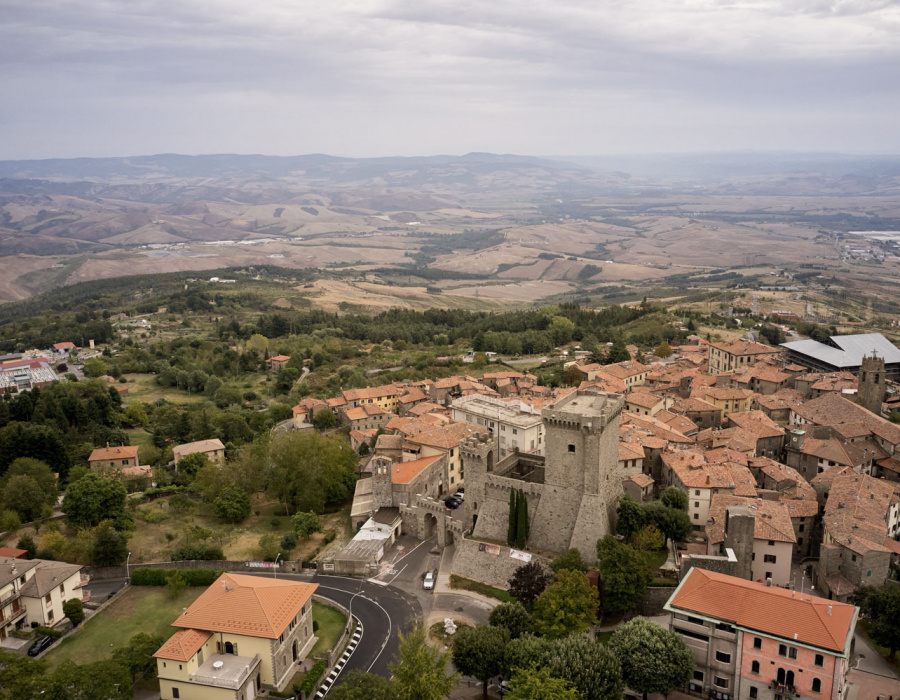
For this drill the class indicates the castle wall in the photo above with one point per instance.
(494, 569)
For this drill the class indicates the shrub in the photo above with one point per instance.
(171, 536)
(152, 515)
(203, 552)
(329, 537)
(10, 521)
(312, 677)
(159, 577)
(56, 634)
(288, 542)
(74, 610)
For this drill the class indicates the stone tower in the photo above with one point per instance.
(382, 483)
(740, 531)
(871, 383)
(477, 455)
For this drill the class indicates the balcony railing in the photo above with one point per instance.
(15, 595)
(784, 689)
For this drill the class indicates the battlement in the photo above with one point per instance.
(584, 410)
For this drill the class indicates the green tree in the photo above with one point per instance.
(189, 465)
(674, 497)
(420, 670)
(881, 609)
(324, 420)
(268, 547)
(618, 352)
(10, 521)
(478, 651)
(357, 685)
(663, 350)
(94, 367)
(21, 678)
(108, 547)
(23, 496)
(588, 665)
(521, 520)
(513, 617)
(233, 505)
(674, 523)
(561, 330)
(624, 573)
(37, 470)
(630, 516)
(570, 560)
(92, 499)
(538, 684)
(648, 539)
(529, 581)
(653, 659)
(572, 376)
(310, 470)
(568, 606)
(137, 655)
(305, 524)
(524, 652)
(27, 543)
(512, 529)
(73, 608)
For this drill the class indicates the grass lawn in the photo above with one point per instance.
(466, 584)
(143, 387)
(139, 437)
(656, 559)
(139, 609)
(331, 626)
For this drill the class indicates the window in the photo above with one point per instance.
(801, 528)
(62, 589)
(792, 653)
(725, 627)
(753, 692)
(817, 685)
(175, 693)
(757, 643)
(769, 558)
(696, 504)
(47, 599)
(698, 675)
(852, 557)
(868, 573)
(720, 682)
(723, 657)
(50, 616)
(696, 516)
(697, 492)
(782, 650)
(515, 431)
(771, 543)
(695, 620)
(820, 660)
(571, 448)
(754, 668)
(692, 635)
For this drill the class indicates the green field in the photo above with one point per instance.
(331, 626)
(138, 609)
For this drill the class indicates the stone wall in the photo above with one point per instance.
(654, 600)
(102, 573)
(493, 569)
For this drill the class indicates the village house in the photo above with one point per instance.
(277, 363)
(444, 441)
(731, 355)
(777, 643)
(385, 397)
(34, 591)
(114, 457)
(778, 406)
(365, 417)
(646, 403)
(517, 425)
(726, 398)
(769, 436)
(242, 634)
(213, 449)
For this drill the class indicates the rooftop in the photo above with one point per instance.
(779, 612)
(847, 350)
(405, 472)
(182, 645)
(199, 446)
(772, 519)
(124, 452)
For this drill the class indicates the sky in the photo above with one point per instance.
(422, 77)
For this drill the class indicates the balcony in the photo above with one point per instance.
(15, 595)
(225, 671)
(788, 691)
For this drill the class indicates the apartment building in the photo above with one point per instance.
(517, 425)
(735, 354)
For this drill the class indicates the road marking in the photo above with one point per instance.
(398, 573)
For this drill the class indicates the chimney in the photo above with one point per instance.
(829, 610)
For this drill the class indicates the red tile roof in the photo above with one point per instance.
(126, 452)
(182, 645)
(404, 472)
(818, 622)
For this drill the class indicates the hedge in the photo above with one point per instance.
(56, 634)
(311, 678)
(159, 577)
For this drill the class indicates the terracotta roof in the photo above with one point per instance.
(630, 451)
(768, 609)
(103, 453)
(279, 358)
(834, 409)
(724, 393)
(745, 347)
(857, 510)
(642, 480)
(412, 395)
(626, 370)
(784, 398)
(247, 605)
(12, 552)
(372, 392)
(182, 645)
(757, 423)
(427, 407)
(772, 519)
(64, 346)
(356, 413)
(199, 446)
(644, 399)
(693, 470)
(336, 402)
(445, 437)
(404, 472)
(827, 477)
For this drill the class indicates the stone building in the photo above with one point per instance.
(871, 383)
(572, 491)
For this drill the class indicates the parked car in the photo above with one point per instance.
(428, 583)
(39, 645)
(460, 495)
(452, 502)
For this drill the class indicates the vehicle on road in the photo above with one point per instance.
(428, 583)
(39, 645)
(452, 502)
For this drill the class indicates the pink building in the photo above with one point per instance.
(751, 641)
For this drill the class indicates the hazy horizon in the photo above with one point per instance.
(376, 78)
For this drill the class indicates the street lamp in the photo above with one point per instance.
(275, 571)
(127, 570)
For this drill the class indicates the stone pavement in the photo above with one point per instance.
(867, 659)
(868, 686)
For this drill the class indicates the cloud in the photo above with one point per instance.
(436, 75)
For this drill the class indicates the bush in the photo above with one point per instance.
(329, 537)
(56, 634)
(202, 552)
(289, 542)
(74, 610)
(152, 515)
(311, 678)
(10, 521)
(159, 577)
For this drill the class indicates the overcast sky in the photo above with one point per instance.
(421, 77)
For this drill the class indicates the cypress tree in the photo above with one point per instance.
(513, 513)
(525, 516)
(521, 520)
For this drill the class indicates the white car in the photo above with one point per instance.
(428, 584)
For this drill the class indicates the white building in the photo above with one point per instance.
(517, 425)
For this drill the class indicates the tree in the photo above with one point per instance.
(674, 497)
(420, 670)
(630, 516)
(310, 470)
(618, 352)
(357, 685)
(324, 420)
(538, 684)
(521, 520)
(653, 659)
(189, 465)
(881, 608)
(20, 676)
(27, 543)
(37, 470)
(102, 679)
(572, 376)
(663, 350)
(588, 665)
(175, 584)
(512, 529)
(137, 655)
(94, 367)
(10, 521)
(674, 523)
(524, 652)
(624, 573)
(648, 539)
(529, 581)
(570, 560)
(92, 499)
(73, 608)
(233, 505)
(24, 497)
(513, 617)
(108, 548)
(568, 606)
(561, 330)
(305, 524)
(478, 652)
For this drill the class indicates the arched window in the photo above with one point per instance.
(294, 651)
(754, 667)
(230, 648)
(817, 685)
